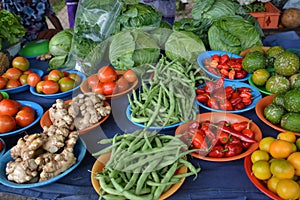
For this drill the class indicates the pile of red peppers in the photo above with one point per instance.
(225, 66)
(214, 95)
(221, 139)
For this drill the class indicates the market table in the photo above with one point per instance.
(216, 180)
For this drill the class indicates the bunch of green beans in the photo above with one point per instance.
(142, 165)
(168, 97)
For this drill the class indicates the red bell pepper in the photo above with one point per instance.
(225, 105)
(217, 152)
(239, 106)
(240, 74)
(247, 131)
(203, 98)
(223, 137)
(198, 141)
(231, 74)
(235, 133)
(239, 126)
(216, 57)
(233, 149)
(224, 59)
(224, 73)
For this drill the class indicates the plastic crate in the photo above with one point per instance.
(268, 19)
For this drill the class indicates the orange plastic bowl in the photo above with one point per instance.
(259, 109)
(45, 120)
(84, 87)
(103, 159)
(231, 118)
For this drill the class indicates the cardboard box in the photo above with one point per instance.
(268, 19)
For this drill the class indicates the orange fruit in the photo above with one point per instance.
(288, 189)
(282, 169)
(281, 148)
(294, 159)
(264, 144)
(261, 170)
(272, 183)
(259, 155)
(287, 136)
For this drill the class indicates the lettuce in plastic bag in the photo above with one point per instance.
(233, 34)
(132, 48)
(184, 46)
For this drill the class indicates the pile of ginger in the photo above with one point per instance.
(42, 156)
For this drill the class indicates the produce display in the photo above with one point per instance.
(276, 165)
(41, 156)
(147, 167)
(225, 66)
(82, 112)
(14, 115)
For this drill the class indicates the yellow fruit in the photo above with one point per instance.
(259, 155)
(288, 189)
(294, 159)
(261, 170)
(272, 183)
(264, 144)
(260, 77)
(281, 148)
(282, 169)
(298, 144)
(287, 136)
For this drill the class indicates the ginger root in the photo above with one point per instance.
(22, 171)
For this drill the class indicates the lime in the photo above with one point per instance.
(260, 77)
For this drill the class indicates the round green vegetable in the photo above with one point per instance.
(291, 122)
(273, 113)
(253, 61)
(272, 53)
(277, 84)
(292, 101)
(60, 43)
(286, 63)
(279, 99)
(295, 81)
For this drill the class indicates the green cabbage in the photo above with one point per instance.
(184, 46)
(132, 48)
(60, 43)
(233, 34)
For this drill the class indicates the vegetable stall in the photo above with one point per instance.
(151, 123)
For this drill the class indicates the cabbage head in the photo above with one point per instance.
(233, 34)
(184, 46)
(60, 43)
(132, 48)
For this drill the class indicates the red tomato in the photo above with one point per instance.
(65, 84)
(3, 82)
(28, 109)
(66, 73)
(7, 123)
(50, 87)
(93, 81)
(122, 84)
(28, 71)
(12, 84)
(20, 62)
(130, 75)
(45, 78)
(55, 75)
(39, 87)
(33, 79)
(13, 73)
(109, 88)
(23, 79)
(98, 88)
(107, 74)
(24, 118)
(9, 107)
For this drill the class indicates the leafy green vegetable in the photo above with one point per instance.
(60, 43)
(11, 28)
(138, 16)
(132, 48)
(184, 46)
(233, 34)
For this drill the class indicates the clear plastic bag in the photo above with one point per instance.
(94, 22)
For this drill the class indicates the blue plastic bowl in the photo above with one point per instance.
(23, 87)
(254, 91)
(60, 94)
(79, 152)
(208, 54)
(128, 115)
(39, 113)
